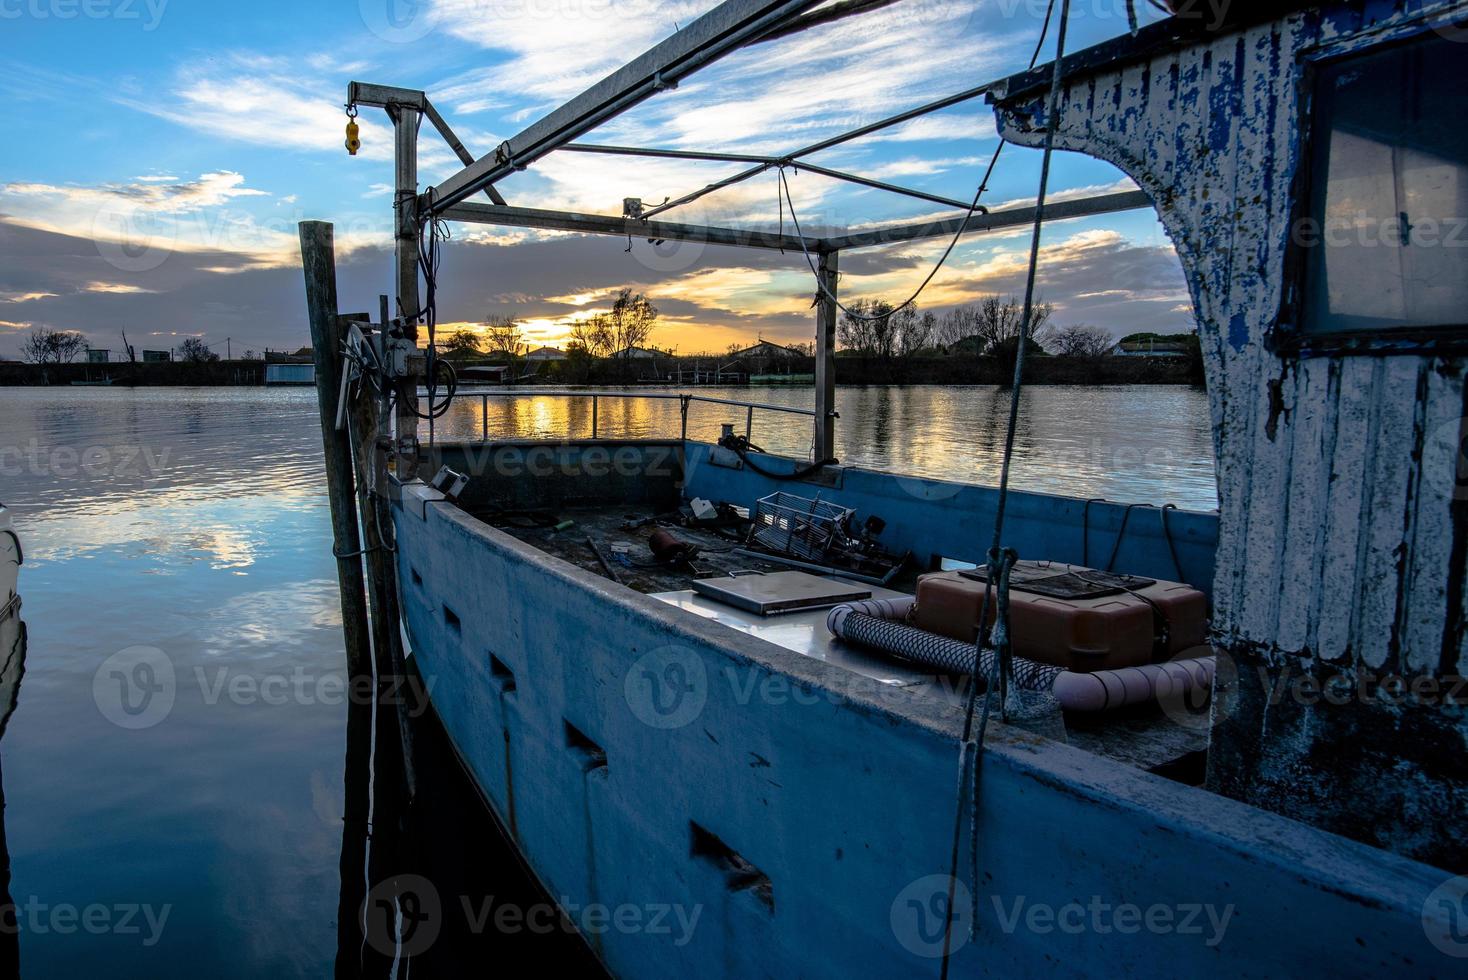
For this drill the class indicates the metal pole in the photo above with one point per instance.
(318, 260)
(749, 424)
(825, 434)
(405, 206)
(593, 415)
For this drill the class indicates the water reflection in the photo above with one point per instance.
(12, 669)
(429, 883)
(1132, 444)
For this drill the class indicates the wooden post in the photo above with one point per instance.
(394, 734)
(825, 436)
(318, 260)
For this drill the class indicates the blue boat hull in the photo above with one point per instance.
(703, 802)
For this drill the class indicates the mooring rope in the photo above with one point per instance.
(998, 559)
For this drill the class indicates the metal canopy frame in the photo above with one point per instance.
(732, 25)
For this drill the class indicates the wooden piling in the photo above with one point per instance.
(318, 260)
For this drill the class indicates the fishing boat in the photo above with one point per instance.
(11, 557)
(692, 689)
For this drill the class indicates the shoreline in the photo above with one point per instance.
(850, 372)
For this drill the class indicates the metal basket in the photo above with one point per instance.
(797, 526)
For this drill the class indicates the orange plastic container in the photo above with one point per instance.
(1081, 624)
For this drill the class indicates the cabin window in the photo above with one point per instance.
(1384, 240)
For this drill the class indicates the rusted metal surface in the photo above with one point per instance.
(1341, 541)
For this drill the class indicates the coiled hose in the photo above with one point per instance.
(879, 624)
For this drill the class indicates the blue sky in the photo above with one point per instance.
(167, 149)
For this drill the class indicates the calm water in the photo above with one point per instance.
(1147, 445)
(200, 832)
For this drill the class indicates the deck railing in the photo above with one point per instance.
(685, 401)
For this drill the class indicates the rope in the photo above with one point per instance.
(995, 554)
(1126, 517)
(1171, 545)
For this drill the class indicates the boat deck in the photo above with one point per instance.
(1142, 737)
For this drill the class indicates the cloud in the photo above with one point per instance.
(122, 288)
(141, 223)
(161, 194)
(265, 100)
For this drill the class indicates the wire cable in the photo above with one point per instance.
(983, 187)
(996, 553)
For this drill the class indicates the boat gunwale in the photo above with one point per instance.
(1372, 876)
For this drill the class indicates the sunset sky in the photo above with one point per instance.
(161, 152)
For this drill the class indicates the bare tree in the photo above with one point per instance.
(875, 328)
(195, 351)
(958, 324)
(504, 335)
(44, 345)
(594, 335)
(1081, 340)
(632, 318)
(916, 330)
(865, 327)
(1001, 319)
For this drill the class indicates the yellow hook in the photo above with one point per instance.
(353, 142)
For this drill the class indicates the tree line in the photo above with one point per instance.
(988, 327)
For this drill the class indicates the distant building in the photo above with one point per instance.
(637, 354)
(290, 374)
(546, 354)
(486, 373)
(97, 355)
(764, 350)
(154, 356)
(1151, 348)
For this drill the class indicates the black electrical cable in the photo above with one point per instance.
(742, 447)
